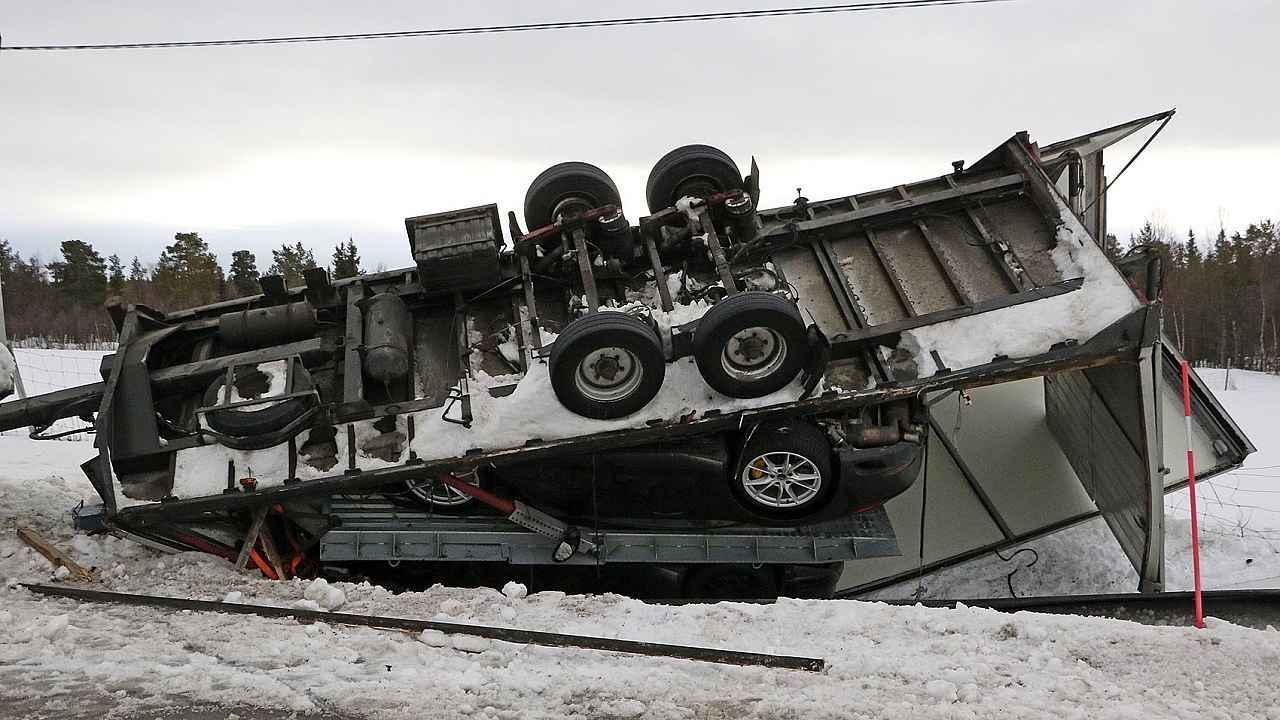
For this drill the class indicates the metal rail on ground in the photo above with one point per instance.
(530, 637)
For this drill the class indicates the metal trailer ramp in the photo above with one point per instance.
(381, 531)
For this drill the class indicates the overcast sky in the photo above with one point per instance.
(252, 146)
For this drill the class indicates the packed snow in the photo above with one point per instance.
(63, 659)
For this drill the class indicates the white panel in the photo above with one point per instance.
(955, 522)
(1006, 443)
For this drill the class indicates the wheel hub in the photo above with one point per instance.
(754, 353)
(781, 480)
(608, 374)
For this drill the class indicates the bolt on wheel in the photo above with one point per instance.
(608, 374)
(754, 353)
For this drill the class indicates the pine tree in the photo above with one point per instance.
(1194, 258)
(1111, 246)
(292, 261)
(243, 279)
(187, 272)
(115, 275)
(137, 273)
(82, 275)
(346, 260)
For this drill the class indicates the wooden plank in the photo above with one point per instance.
(251, 537)
(54, 555)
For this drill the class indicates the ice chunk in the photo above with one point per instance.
(469, 643)
(514, 590)
(434, 638)
(942, 690)
(234, 596)
(54, 627)
(324, 595)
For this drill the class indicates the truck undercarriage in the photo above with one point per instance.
(715, 384)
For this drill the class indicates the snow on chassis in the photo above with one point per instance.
(713, 384)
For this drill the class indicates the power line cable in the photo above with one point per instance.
(526, 27)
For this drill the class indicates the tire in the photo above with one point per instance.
(785, 472)
(751, 344)
(731, 582)
(439, 497)
(625, 345)
(253, 423)
(581, 182)
(698, 170)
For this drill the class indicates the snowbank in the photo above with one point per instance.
(60, 659)
(8, 370)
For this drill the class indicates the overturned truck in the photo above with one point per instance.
(714, 385)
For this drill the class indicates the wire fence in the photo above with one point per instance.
(45, 369)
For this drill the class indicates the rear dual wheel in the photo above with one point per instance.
(751, 344)
(607, 365)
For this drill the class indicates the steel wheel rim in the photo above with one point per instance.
(753, 353)
(781, 480)
(442, 494)
(608, 374)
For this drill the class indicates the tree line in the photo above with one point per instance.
(64, 298)
(1222, 296)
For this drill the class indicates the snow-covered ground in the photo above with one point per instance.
(60, 659)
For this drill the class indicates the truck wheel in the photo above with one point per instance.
(437, 495)
(255, 420)
(696, 170)
(567, 188)
(785, 472)
(606, 365)
(751, 344)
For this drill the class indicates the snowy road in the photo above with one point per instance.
(59, 659)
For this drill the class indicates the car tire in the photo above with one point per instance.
(697, 170)
(751, 344)
(582, 182)
(437, 496)
(607, 365)
(249, 424)
(785, 472)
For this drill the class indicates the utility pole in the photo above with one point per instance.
(4, 340)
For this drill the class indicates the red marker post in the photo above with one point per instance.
(1191, 489)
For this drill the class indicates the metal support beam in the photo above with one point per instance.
(584, 269)
(659, 273)
(530, 303)
(717, 252)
